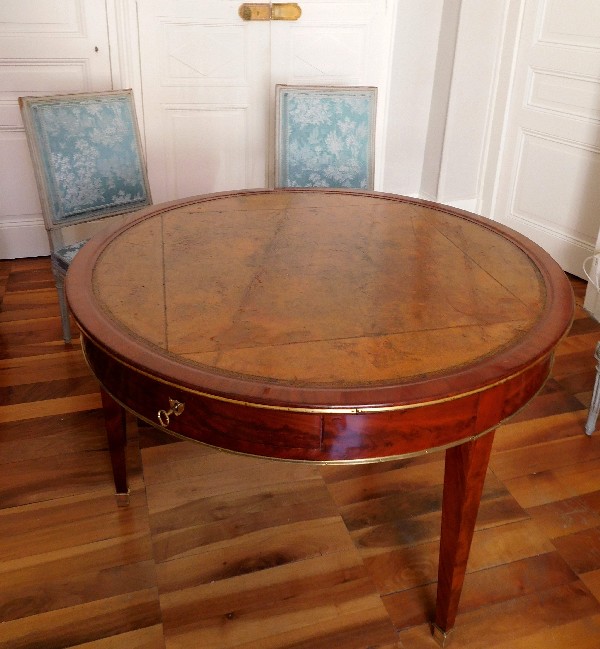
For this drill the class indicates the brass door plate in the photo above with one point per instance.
(285, 11)
(266, 11)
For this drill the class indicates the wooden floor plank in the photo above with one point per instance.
(50, 436)
(583, 634)
(277, 606)
(581, 550)
(151, 637)
(563, 517)
(255, 527)
(59, 406)
(415, 565)
(34, 369)
(513, 622)
(482, 588)
(544, 487)
(61, 476)
(551, 455)
(84, 622)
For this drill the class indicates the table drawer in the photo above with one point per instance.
(229, 425)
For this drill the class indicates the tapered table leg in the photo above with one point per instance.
(464, 476)
(114, 419)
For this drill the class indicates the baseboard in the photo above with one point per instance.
(23, 238)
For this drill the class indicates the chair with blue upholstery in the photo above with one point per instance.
(88, 162)
(324, 136)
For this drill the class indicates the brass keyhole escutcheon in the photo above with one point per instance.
(175, 408)
(266, 11)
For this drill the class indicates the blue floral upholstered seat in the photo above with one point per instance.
(87, 157)
(325, 136)
(63, 257)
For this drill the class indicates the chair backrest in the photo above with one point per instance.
(87, 155)
(325, 136)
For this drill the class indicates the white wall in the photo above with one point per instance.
(443, 80)
(470, 104)
(411, 91)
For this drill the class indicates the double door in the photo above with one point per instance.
(209, 77)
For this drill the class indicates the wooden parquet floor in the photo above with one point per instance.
(217, 551)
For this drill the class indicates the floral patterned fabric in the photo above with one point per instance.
(64, 256)
(90, 157)
(325, 137)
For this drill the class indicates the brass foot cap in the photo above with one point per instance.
(122, 499)
(440, 636)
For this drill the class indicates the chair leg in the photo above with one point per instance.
(590, 425)
(64, 309)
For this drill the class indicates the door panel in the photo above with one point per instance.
(549, 171)
(571, 22)
(205, 148)
(565, 169)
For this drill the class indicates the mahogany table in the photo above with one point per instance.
(323, 326)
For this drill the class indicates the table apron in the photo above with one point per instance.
(315, 436)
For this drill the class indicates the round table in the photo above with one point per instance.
(323, 326)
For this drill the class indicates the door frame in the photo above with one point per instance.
(123, 40)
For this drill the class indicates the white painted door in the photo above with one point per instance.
(209, 78)
(46, 47)
(549, 181)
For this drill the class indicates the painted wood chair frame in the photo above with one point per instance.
(88, 163)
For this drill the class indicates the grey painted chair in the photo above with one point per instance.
(590, 425)
(88, 162)
(325, 136)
